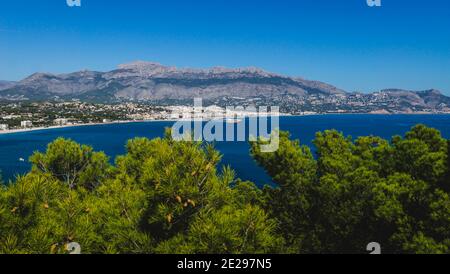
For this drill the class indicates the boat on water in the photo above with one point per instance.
(233, 121)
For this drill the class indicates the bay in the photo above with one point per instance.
(111, 138)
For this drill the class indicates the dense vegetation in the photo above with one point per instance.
(164, 196)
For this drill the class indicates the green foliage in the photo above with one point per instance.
(293, 167)
(165, 196)
(356, 192)
(75, 165)
(445, 183)
(228, 230)
(162, 196)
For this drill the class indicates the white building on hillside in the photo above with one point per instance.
(60, 122)
(26, 124)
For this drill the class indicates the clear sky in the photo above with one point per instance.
(404, 43)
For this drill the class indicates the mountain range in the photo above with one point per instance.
(157, 84)
(6, 84)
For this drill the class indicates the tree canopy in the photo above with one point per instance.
(165, 196)
(162, 196)
(361, 191)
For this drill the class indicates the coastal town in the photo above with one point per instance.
(20, 116)
(16, 116)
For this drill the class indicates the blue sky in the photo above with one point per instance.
(404, 43)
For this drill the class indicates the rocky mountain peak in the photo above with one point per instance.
(154, 68)
(431, 92)
(141, 65)
(145, 68)
(155, 83)
(37, 76)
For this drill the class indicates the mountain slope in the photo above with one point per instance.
(6, 84)
(151, 81)
(158, 84)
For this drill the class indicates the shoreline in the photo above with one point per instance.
(25, 130)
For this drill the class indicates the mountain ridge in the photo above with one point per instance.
(158, 84)
(6, 84)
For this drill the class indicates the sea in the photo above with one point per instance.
(16, 148)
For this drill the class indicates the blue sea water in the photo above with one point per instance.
(111, 138)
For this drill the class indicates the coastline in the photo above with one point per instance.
(25, 130)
